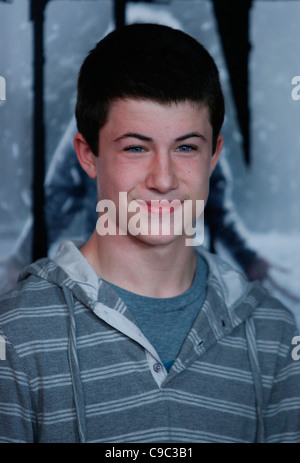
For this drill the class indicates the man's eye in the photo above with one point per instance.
(135, 149)
(186, 148)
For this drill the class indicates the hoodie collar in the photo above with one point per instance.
(69, 267)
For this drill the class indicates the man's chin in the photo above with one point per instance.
(158, 240)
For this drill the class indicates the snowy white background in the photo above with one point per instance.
(266, 195)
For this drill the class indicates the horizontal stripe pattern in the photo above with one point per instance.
(163, 435)
(208, 395)
(33, 312)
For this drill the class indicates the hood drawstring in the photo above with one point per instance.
(253, 356)
(74, 368)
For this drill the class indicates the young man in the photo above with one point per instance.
(138, 337)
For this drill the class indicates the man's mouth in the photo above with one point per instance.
(161, 206)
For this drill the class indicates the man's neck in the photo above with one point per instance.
(155, 271)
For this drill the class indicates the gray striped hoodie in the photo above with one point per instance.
(76, 367)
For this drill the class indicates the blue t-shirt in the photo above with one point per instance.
(166, 322)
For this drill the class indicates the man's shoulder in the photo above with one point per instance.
(29, 304)
(30, 284)
(238, 293)
(271, 316)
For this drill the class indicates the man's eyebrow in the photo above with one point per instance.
(145, 138)
(191, 135)
(134, 135)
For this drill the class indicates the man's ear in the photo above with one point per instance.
(215, 156)
(85, 155)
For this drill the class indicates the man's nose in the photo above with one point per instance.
(162, 176)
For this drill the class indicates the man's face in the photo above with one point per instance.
(155, 152)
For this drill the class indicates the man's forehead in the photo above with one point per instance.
(131, 107)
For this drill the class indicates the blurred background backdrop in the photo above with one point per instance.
(257, 49)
